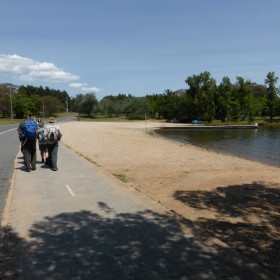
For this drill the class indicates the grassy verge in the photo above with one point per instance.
(9, 121)
(121, 177)
(263, 122)
(6, 121)
(102, 118)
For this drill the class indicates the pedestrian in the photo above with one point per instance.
(42, 140)
(53, 134)
(27, 132)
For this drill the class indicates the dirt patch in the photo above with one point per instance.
(234, 199)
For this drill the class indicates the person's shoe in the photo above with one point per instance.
(33, 168)
(28, 170)
(54, 169)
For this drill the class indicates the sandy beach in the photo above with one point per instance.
(162, 169)
(236, 200)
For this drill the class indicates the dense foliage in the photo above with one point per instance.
(202, 99)
(32, 100)
(206, 100)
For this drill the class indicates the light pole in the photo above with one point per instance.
(66, 105)
(43, 107)
(11, 101)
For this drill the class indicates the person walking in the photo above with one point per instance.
(42, 139)
(53, 134)
(27, 132)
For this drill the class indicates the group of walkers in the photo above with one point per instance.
(48, 136)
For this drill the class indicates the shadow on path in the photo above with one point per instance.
(247, 217)
(142, 245)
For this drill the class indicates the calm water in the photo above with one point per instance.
(260, 144)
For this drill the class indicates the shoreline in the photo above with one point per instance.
(224, 152)
(255, 126)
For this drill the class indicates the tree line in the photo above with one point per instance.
(202, 99)
(206, 100)
(37, 101)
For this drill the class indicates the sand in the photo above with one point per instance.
(161, 168)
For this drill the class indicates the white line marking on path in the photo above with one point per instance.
(69, 189)
(7, 130)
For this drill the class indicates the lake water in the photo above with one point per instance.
(260, 144)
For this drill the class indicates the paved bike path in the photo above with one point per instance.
(82, 223)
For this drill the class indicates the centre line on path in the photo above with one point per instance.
(69, 189)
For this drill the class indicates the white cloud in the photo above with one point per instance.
(91, 89)
(77, 85)
(84, 87)
(27, 69)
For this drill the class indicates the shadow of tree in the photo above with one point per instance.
(8, 252)
(247, 218)
(142, 245)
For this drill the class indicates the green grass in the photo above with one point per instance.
(121, 177)
(7, 121)
(102, 118)
(64, 114)
(150, 132)
(264, 122)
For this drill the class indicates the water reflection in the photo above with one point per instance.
(255, 144)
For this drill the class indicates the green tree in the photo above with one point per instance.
(259, 95)
(29, 90)
(51, 105)
(223, 99)
(272, 93)
(87, 104)
(7, 93)
(5, 104)
(243, 91)
(111, 108)
(34, 104)
(185, 107)
(138, 108)
(22, 105)
(168, 103)
(250, 107)
(202, 88)
(76, 102)
(152, 102)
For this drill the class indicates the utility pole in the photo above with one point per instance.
(11, 101)
(66, 105)
(43, 107)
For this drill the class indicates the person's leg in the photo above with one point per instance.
(42, 153)
(49, 151)
(54, 157)
(49, 159)
(21, 147)
(27, 156)
(46, 152)
(33, 155)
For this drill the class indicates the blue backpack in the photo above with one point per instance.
(31, 130)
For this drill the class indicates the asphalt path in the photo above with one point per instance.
(9, 146)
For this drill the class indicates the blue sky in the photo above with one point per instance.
(136, 46)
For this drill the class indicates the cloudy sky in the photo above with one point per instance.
(136, 46)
